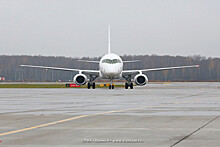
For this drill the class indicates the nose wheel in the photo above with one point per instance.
(111, 86)
(127, 85)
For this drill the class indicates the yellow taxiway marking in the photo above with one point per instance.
(82, 116)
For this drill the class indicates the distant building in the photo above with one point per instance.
(2, 78)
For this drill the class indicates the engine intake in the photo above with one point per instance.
(140, 79)
(80, 79)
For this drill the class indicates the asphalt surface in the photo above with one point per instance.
(159, 114)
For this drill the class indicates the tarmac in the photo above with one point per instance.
(158, 114)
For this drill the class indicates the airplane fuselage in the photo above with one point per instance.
(111, 66)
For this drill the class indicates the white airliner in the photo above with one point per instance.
(110, 67)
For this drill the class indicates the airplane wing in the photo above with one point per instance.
(131, 72)
(93, 72)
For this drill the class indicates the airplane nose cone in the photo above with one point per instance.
(112, 72)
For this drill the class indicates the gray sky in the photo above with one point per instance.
(77, 28)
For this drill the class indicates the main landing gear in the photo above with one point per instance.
(91, 85)
(129, 85)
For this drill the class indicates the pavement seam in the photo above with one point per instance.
(187, 136)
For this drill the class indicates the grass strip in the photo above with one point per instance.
(47, 86)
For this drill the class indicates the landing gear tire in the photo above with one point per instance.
(131, 85)
(126, 85)
(111, 86)
(89, 85)
(93, 85)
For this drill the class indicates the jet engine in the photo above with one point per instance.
(80, 79)
(140, 79)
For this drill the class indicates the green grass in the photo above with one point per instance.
(32, 86)
(46, 86)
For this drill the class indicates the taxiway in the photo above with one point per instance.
(159, 114)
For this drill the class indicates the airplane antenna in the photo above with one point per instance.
(109, 47)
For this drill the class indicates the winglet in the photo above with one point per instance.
(109, 47)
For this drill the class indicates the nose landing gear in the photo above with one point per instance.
(111, 86)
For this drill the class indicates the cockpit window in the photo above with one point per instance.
(109, 61)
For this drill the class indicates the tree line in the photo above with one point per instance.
(209, 67)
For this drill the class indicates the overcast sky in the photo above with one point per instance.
(77, 28)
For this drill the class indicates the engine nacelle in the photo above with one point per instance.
(80, 79)
(140, 79)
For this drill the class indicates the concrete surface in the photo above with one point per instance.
(159, 114)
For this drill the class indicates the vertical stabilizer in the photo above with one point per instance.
(109, 46)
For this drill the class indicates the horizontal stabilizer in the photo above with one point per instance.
(88, 61)
(131, 61)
